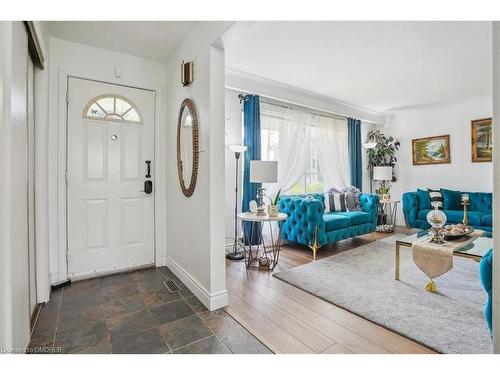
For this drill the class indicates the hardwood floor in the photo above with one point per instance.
(289, 320)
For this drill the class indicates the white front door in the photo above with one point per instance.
(110, 142)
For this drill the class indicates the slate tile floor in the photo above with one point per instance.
(134, 313)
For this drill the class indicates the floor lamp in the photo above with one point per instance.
(237, 253)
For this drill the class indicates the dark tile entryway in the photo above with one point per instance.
(134, 313)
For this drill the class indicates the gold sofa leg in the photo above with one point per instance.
(315, 250)
(315, 246)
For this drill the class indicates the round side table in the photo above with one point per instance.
(388, 210)
(266, 254)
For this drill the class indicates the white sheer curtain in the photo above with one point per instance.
(288, 133)
(294, 135)
(332, 142)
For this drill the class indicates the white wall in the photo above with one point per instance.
(195, 225)
(14, 281)
(233, 136)
(453, 119)
(68, 58)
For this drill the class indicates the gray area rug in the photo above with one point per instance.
(362, 281)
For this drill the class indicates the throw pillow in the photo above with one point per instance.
(351, 197)
(424, 200)
(452, 199)
(436, 197)
(335, 202)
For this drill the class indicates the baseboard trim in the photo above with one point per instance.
(212, 301)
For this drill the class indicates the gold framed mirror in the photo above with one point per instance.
(187, 147)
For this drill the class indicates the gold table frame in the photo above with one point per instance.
(270, 251)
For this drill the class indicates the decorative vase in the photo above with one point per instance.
(252, 206)
(437, 219)
(273, 210)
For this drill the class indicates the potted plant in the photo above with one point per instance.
(272, 209)
(381, 153)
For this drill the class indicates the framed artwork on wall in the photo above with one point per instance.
(482, 141)
(431, 150)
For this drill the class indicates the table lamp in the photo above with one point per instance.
(382, 174)
(263, 171)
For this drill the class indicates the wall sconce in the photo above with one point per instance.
(186, 73)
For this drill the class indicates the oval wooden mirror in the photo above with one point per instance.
(187, 147)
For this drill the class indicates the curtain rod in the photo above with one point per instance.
(287, 105)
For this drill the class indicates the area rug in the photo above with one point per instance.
(361, 280)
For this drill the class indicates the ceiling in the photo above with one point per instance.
(376, 65)
(152, 40)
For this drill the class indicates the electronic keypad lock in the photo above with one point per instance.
(148, 186)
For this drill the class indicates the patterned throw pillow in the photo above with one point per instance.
(436, 198)
(351, 197)
(335, 202)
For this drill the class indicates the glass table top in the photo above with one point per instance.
(476, 248)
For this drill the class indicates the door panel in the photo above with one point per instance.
(110, 219)
(96, 149)
(97, 224)
(131, 153)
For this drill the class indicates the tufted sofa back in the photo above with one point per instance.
(305, 216)
(481, 202)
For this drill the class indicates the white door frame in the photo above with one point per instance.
(158, 167)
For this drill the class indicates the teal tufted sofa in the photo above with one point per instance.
(479, 213)
(307, 223)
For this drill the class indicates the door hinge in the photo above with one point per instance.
(67, 96)
(67, 256)
(66, 178)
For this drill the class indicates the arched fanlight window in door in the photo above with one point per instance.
(112, 107)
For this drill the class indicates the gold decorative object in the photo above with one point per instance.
(183, 122)
(436, 218)
(186, 73)
(465, 203)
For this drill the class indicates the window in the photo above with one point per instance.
(112, 107)
(312, 180)
(303, 142)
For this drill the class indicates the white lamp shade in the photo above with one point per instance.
(263, 171)
(237, 148)
(369, 145)
(382, 173)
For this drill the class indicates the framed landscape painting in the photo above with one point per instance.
(482, 141)
(431, 150)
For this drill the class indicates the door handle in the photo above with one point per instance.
(148, 187)
(148, 168)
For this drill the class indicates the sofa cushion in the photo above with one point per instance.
(357, 217)
(488, 220)
(452, 199)
(455, 217)
(481, 202)
(335, 221)
(424, 201)
(422, 214)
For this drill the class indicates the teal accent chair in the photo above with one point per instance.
(485, 272)
(307, 223)
(480, 214)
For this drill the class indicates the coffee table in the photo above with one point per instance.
(473, 250)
